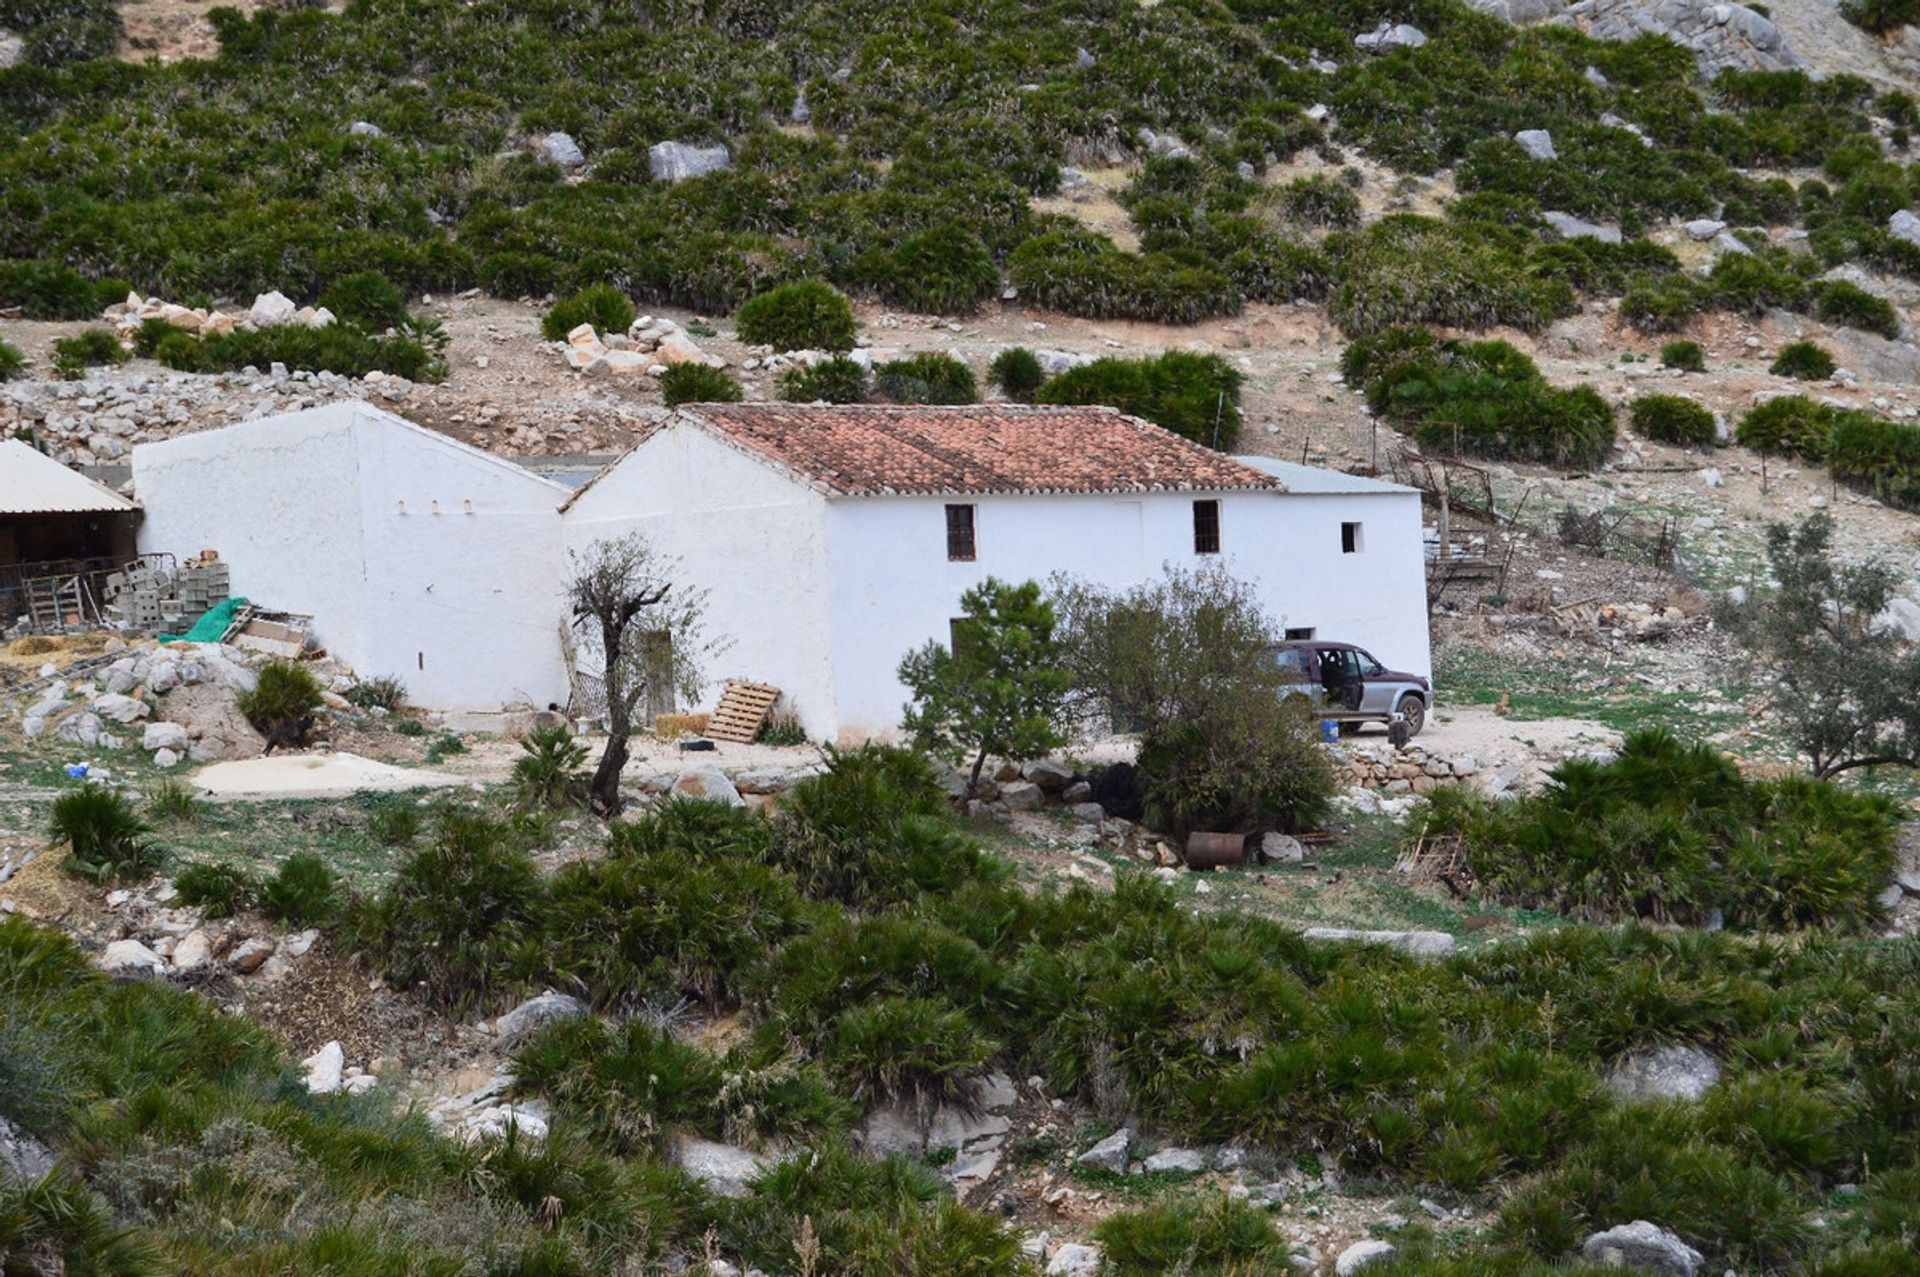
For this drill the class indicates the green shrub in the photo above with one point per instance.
(303, 892)
(1876, 456)
(1662, 304)
(1016, 371)
(339, 348)
(386, 692)
(1481, 397)
(172, 799)
(461, 918)
(283, 694)
(216, 890)
(605, 307)
(836, 380)
(47, 290)
(105, 837)
(697, 383)
(369, 299)
(444, 746)
(1217, 1236)
(1754, 283)
(808, 315)
(1672, 419)
(1080, 273)
(93, 348)
(1684, 355)
(151, 332)
(395, 822)
(1791, 424)
(906, 1048)
(1803, 361)
(1262, 769)
(944, 270)
(1848, 305)
(1318, 200)
(548, 776)
(13, 364)
(1672, 832)
(1195, 396)
(925, 378)
(1415, 270)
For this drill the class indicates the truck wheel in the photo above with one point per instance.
(1413, 711)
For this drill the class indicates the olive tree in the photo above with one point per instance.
(1846, 679)
(998, 690)
(1186, 661)
(633, 610)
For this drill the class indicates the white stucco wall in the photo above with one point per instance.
(278, 499)
(891, 587)
(332, 512)
(747, 533)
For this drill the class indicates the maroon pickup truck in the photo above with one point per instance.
(1346, 685)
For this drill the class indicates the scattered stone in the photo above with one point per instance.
(165, 736)
(1537, 143)
(1704, 228)
(676, 161)
(536, 1013)
(1390, 36)
(1022, 795)
(300, 942)
(130, 955)
(1282, 849)
(1904, 225)
(726, 1169)
(1665, 1073)
(1175, 1159)
(248, 956)
(1571, 227)
(1362, 1255)
(1110, 1154)
(709, 783)
(325, 1068)
(1076, 1260)
(1418, 944)
(1052, 777)
(562, 150)
(194, 950)
(1644, 1246)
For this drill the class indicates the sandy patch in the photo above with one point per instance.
(313, 776)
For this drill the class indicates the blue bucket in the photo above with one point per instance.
(77, 771)
(1329, 730)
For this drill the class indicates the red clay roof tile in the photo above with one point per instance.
(874, 450)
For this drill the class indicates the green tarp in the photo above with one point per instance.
(212, 625)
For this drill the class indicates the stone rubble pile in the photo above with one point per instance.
(650, 346)
(269, 310)
(156, 938)
(176, 702)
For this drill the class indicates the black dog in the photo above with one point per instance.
(294, 734)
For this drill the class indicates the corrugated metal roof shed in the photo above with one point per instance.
(32, 483)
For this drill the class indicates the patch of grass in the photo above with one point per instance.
(303, 892)
(216, 890)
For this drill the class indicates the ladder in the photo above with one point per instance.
(59, 604)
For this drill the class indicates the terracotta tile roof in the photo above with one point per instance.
(872, 450)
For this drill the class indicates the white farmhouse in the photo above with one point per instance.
(417, 556)
(832, 540)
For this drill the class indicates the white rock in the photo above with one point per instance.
(675, 161)
(164, 735)
(272, 310)
(325, 1068)
(1175, 1159)
(562, 150)
(248, 955)
(1644, 1246)
(1904, 225)
(194, 950)
(1419, 944)
(1704, 228)
(709, 783)
(130, 955)
(1362, 1255)
(724, 1168)
(1537, 143)
(1110, 1154)
(121, 709)
(1076, 1260)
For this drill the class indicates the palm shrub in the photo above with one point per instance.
(836, 380)
(1684, 355)
(1849, 305)
(170, 799)
(282, 695)
(303, 892)
(461, 918)
(1877, 456)
(1803, 361)
(1078, 272)
(92, 348)
(944, 270)
(13, 364)
(807, 315)
(395, 822)
(386, 692)
(1217, 1236)
(905, 1048)
(1672, 419)
(602, 305)
(1672, 832)
(549, 773)
(1663, 303)
(105, 837)
(1016, 371)
(217, 890)
(367, 298)
(1791, 424)
(1318, 200)
(1195, 396)
(698, 383)
(925, 378)
(47, 290)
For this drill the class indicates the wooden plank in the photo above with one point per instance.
(742, 710)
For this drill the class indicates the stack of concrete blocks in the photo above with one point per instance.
(145, 597)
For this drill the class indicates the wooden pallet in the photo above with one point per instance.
(742, 710)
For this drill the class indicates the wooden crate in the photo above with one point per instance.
(742, 710)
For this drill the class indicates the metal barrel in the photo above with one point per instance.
(1207, 851)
